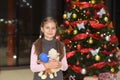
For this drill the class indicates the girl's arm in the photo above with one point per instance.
(64, 63)
(33, 62)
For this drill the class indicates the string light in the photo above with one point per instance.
(25, 3)
(12, 21)
(14, 56)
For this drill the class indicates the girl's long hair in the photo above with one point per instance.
(38, 42)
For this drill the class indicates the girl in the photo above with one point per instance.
(44, 44)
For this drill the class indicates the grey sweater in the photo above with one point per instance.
(46, 46)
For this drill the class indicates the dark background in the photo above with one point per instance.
(26, 28)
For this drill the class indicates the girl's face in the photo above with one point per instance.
(49, 30)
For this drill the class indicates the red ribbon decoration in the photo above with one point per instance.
(80, 36)
(70, 54)
(96, 36)
(77, 22)
(105, 52)
(99, 65)
(82, 4)
(66, 41)
(112, 63)
(76, 69)
(96, 25)
(98, 6)
(114, 50)
(85, 50)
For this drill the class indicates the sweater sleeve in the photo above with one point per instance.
(33, 62)
(64, 62)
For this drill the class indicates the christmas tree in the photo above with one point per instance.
(90, 39)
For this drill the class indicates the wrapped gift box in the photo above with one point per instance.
(107, 76)
(91, 78)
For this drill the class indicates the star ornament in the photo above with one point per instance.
(69, 14)
(101, 12)
(80, 26)
(94, 52)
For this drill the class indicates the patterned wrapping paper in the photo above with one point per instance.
(107, 76)
(90, 78)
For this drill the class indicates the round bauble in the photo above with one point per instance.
(106, 19)
(64, 16)
(112, 69)
(74, 15)
(97, 58)
(83, 71)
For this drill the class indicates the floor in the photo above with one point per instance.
(16, 74)
(22, 74)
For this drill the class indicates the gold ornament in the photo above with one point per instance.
(74, 15)
(93, 2)
(97, 58)
(90, 41)
(64, 16)
(106, 19)
(75, 32)
(98, 32)
(112, 69)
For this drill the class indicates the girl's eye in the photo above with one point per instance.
(53, 28)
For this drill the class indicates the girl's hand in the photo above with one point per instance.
(52, 64)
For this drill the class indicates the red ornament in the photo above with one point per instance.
(105, 46)
(113, 39)
(77, 63)
(87, 12)
(88, 56)
(67, 22)
(78, 47)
